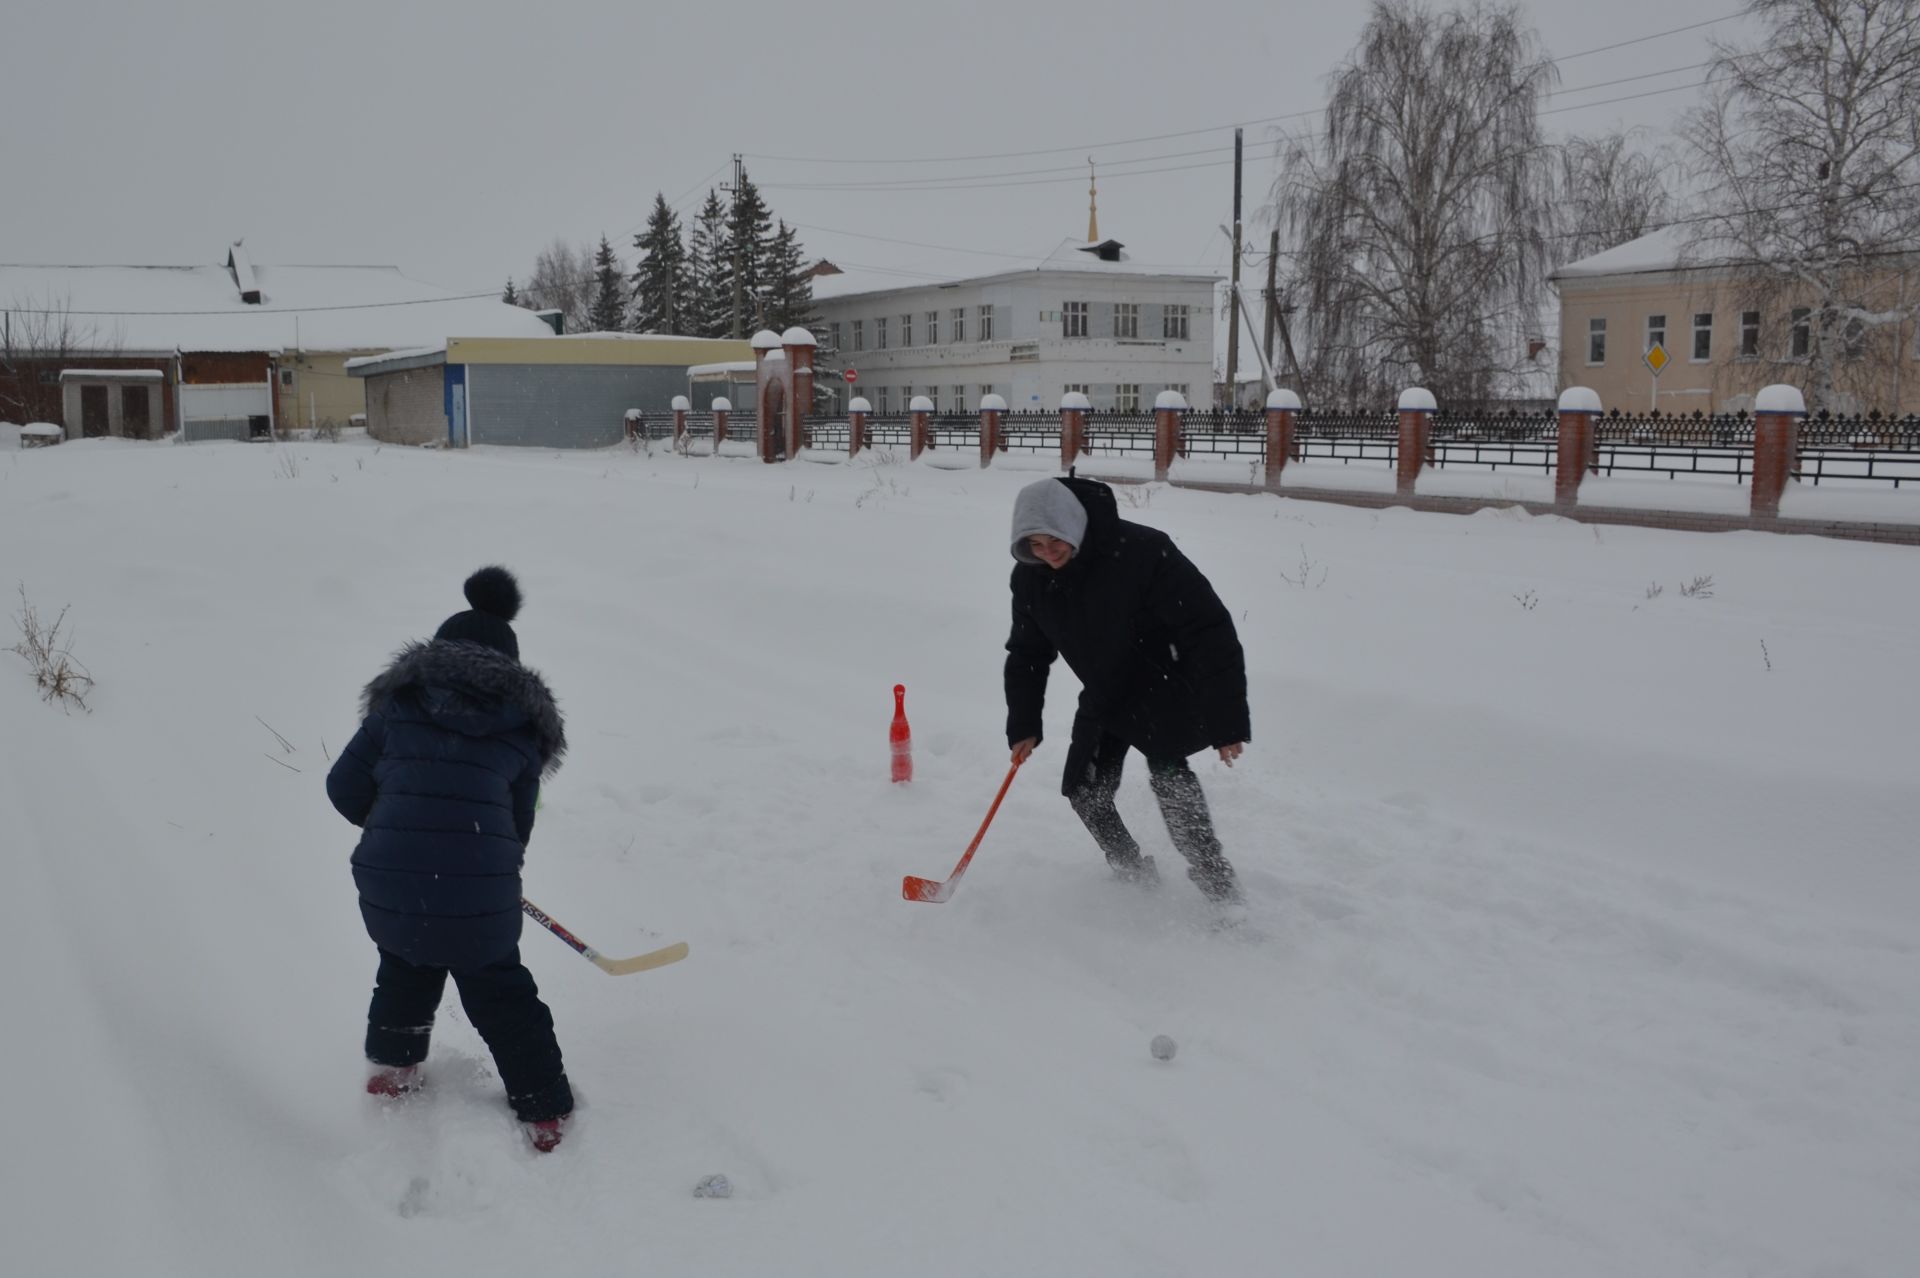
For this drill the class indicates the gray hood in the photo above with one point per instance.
(1047, 507)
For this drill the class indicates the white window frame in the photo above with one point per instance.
(1596, 330)
(880, 399)
(933, 397)
(833, 335)
(1126, 320)
(960, 399)
(1073, 319)
(984, 313)
(1656, 324)
(984, 391)
(1749, 335)
(859, 335)
(933, 328)
(880, 333)
(1701, 329)
(906, 329)
(957, 321)
(1126, 397)
(1176, 324)
(1800, 333)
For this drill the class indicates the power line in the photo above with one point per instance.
(1184, 133)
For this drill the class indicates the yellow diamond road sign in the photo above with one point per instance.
(1657, 358)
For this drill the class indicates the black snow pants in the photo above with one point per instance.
(1093, 779)
(504, 1005)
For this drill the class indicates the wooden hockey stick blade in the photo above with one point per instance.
(641, 962)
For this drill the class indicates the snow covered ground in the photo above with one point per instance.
(1585, 936)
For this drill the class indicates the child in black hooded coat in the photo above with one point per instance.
(442, 778)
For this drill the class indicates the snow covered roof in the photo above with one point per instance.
(1071, 255)
(1671, 248)
(199, 308)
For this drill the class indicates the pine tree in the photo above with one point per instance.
(711, 270)
(609, 312)
(749, 248)
(789, 290)
(662, 286)
(511, 297)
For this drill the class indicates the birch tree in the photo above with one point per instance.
(1417, 215)
(1808, 150)
(1610, 192)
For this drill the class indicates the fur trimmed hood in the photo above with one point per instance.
(471, 688)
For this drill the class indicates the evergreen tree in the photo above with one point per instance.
(662, 287)
(609, 311)
(789, 290)
(749, 249)
(711, 270)
(511, 297)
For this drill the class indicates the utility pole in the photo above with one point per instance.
(1233, 314)
(739, 280)
(1273, 270)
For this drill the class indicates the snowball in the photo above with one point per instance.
(714, 1186)
(1162, 1047)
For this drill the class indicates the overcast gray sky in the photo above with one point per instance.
(455, 139)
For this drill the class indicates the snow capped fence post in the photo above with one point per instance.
(1777, 412)
(721, 407)
(681, 405)
(1576, 454)
(857, 425)
(1281, 406)
(921, 408)
(1416, 434)
(769, 389)
(991, 439)
(635, 424)
(1167, 407)
(1073, 427)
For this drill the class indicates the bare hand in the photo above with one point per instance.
(1228, 753)
(1023, 749)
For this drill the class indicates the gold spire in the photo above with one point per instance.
(1093, 205)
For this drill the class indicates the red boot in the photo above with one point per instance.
(394, 1081)
(546, 1133)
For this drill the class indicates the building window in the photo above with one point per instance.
(1174, 325)
(1656, 331)
(933, 397)
(1180, 390)
(1702, 336)
(906, 329)
(1749, 334)
(933, 328)
(1074, 388)
(959, 318)
(984, 391)
(986, 323)
(286, 377)
(1126, 319)
(1801, 342)
(880, 334)
(1073, 320)
(833, 335)
(1126, 397)
(880, 399)
(859, 335)
(959, 399)
(1596, 341)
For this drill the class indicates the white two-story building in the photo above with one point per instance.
(1084, 318)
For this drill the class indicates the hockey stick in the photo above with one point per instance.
(616, 967)
(914, 888)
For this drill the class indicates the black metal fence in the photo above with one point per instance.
(1868, 447)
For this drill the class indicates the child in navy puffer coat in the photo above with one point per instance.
(442, 778)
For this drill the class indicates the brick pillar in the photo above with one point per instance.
(799, 345)
(1416, 436)
(922, 409)
(1579, 407)
(991, 439)
(680, 406)
(1777, 413)
(721, 407)
(857, 425)
(1281, 407)
(1168, 407)
(635, 423)
(1073, 428)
